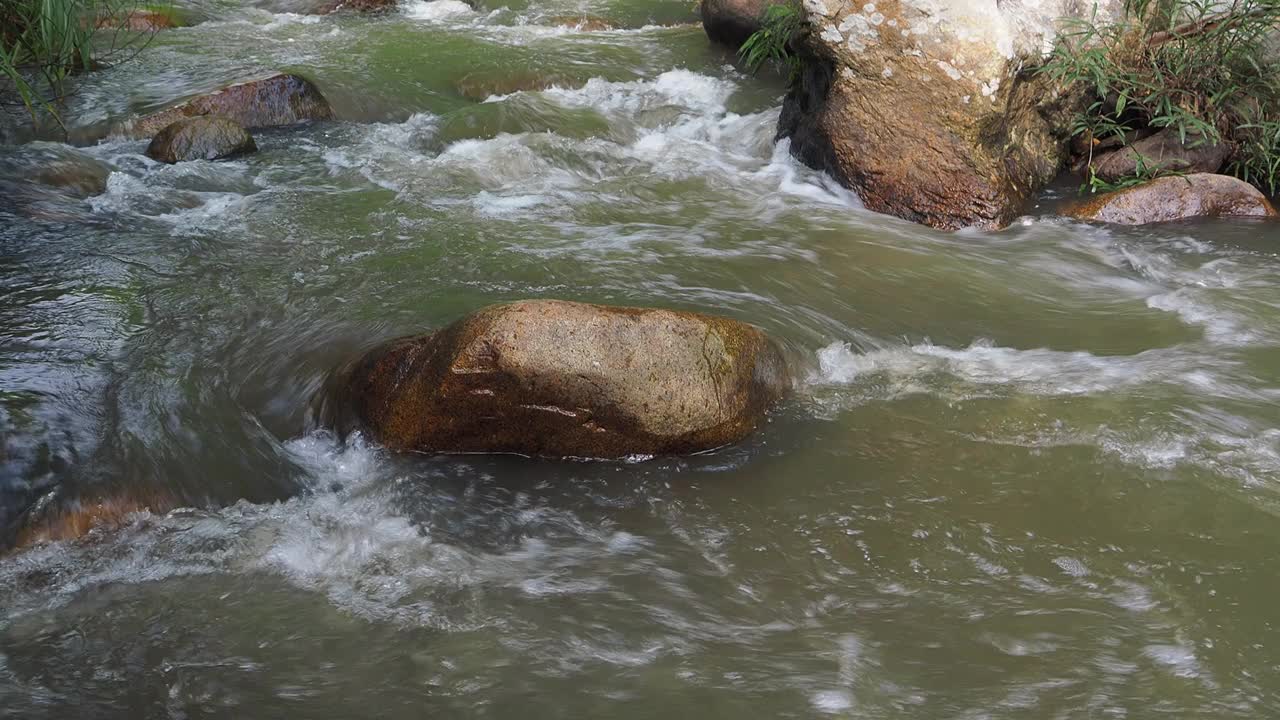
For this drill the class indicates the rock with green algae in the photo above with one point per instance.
(563, 379)
(207, 137)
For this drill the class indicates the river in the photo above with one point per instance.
(1028, 474)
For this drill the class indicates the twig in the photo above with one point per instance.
(1203, 25)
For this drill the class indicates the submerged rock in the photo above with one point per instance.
(1177, 198)
(146, 20)
(480, 86)
(564, 379)
(731, 22)
(79, 518)
(282, 99)
(1162, 152)
(206, 137)
(585, 23)
(927, 109)
(360, 6)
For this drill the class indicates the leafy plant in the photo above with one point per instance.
(779, 25)
(44, 42)
(1197, 67)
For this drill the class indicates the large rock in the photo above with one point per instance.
(563, 379)
(282, 99)
(1177, 198)
(1163, 152)
(731, 22)
(927, 108)
(206, 137)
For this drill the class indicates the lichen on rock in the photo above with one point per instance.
(930, 109)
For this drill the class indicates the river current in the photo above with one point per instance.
(1028, 474)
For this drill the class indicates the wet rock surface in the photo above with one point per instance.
(1162, 152)
(1177, 198)
(360, 6)
(584, 23)
(563, 379)
(141, 20)
(731, 22)
(480, 86)
(928, 110)
(200, 138)
(282, 99)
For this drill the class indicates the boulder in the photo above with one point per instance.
(205, 137)
(1163, 152)
(564, 379)
(731, 22)
(929, 109)
(1176, 198)
(282, 99)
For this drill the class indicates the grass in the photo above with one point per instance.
(1197, 67)
(779, 25)
(45, 42)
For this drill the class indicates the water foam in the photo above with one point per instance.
(436, 10)
(926, 367)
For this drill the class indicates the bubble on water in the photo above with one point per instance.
(1072, 566)
(1180, 660)
(984, 366)
(1220, 326)
(832, 701)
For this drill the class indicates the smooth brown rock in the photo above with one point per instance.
(1162, 152)
(927, 109)
(1177, 198)
(731, 22)
(563, 379)
(207, 137)
(282, 99)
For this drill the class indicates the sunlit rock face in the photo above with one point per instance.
(563, 379)
(930, 109)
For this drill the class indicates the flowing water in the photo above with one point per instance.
(1029, 474)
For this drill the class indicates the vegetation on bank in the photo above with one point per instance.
(1206, 70)
(44, 42)
(779, 25)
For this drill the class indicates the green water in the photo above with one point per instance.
(1029, 474)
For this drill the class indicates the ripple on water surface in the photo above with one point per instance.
(1029, 474)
